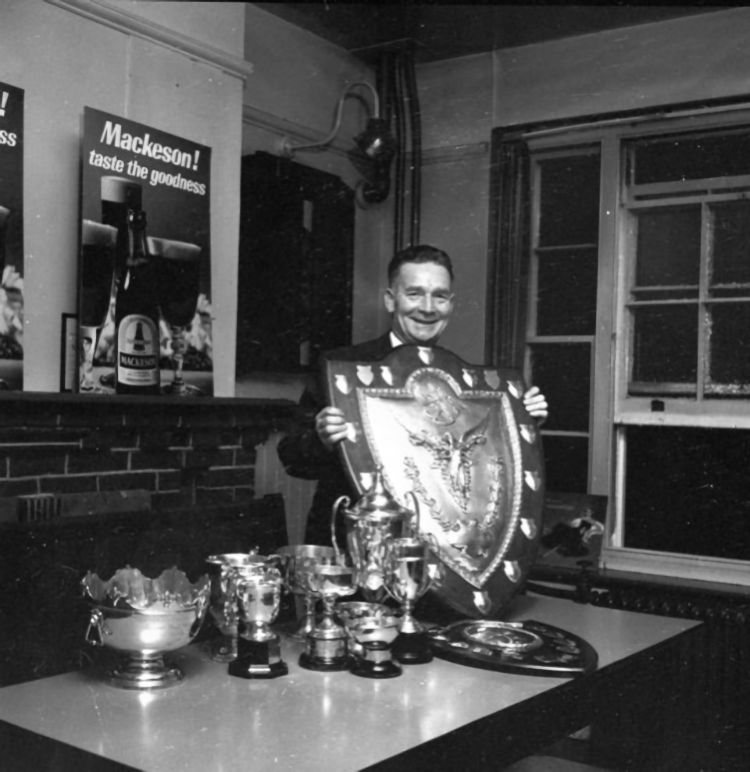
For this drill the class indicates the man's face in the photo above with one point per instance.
(420, 302)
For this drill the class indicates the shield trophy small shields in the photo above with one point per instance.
(458, 437)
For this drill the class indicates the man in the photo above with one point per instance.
(420, 300)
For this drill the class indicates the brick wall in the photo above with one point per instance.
(133, 482)
(90, 454)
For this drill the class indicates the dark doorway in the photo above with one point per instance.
(295, 265)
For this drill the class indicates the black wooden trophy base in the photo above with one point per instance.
(412, 648)
(258, 659)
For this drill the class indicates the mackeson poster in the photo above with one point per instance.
(11, 237)
(129, 166)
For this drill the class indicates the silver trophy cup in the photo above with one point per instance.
(299, 562)
(410, 569)
(258, 647)
(326, 647)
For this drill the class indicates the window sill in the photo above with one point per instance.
(687, 569)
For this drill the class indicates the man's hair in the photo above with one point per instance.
(421, 253)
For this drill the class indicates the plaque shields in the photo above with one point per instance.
(528, 648)
(459, 437)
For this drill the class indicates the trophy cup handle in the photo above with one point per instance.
(96, 623)
(413, 497)
(196, 626)
(435, 567)
(340, 501)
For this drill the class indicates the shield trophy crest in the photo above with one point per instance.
(457, 437)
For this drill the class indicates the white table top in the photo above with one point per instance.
(305, 720)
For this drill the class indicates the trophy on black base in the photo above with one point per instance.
(327, 643)
(409, 572)
(258, 647)
(374, 659)
(298, 565)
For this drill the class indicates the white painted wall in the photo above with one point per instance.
(456, 104)
(65, 61)
(699, 57)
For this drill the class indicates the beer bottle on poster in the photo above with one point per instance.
(137, 316)
(119, 195)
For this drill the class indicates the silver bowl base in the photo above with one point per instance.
(144, 673)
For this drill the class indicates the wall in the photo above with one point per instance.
(177, 67)
(456, 111)
(699, 57)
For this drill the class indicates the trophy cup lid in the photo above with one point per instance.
(378, 504)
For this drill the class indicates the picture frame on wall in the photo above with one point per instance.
(68, 352)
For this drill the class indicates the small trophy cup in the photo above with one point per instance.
(258, 647)
(326, 646)
(225, 571)
(373, 637)
(409, 572)
(299, 561)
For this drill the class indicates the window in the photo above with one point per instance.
(689, 298)
(562, 318)
(638, 330)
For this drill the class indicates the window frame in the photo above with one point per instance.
(533, 338)
(613, 409)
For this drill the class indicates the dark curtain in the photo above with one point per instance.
(508, 244)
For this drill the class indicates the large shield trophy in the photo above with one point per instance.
(458, 438)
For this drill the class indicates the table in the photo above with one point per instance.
(434, 714)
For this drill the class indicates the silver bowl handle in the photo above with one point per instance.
(96, 623)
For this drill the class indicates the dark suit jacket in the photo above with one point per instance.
(305, 456)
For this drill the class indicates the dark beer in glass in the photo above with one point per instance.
(98, 242)
(119, 195)
(97, 261)
(178, 269)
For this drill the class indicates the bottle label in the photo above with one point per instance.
(137, 351)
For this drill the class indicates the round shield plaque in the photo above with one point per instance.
(458, 438)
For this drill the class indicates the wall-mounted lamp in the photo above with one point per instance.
(375, 143)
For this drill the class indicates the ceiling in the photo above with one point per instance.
(443, 31)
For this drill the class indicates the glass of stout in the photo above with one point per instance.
(178, 271)
(98, 243)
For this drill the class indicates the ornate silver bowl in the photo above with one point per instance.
(143, 618)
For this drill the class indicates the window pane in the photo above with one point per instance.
(669, 242)
(567, 292)
(665, 344)
(569, 206)
(562, 372)
(668, 159)
(731, 242)
(566, 461)
(687, 491)
(730, 344)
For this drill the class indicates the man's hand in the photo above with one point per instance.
(536, 404)
(331, 426)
